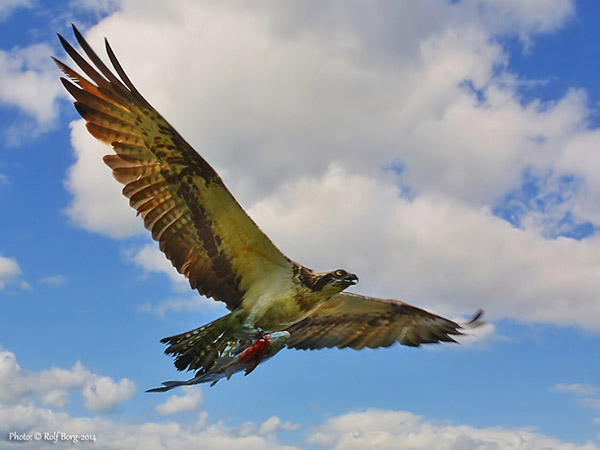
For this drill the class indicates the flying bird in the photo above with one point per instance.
(208, 237)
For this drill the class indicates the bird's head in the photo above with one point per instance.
(342, 278)
(333, 282)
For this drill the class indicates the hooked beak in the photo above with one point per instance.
(351, 279)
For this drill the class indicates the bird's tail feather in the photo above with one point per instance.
(199, 348)
(167, 386)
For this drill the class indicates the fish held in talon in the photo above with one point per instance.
(237, 358)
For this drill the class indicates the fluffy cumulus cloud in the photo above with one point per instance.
(150, 259)
(109, 434)
(103, 394)
(33, 402)
(402, 429)
(379, 139)
(53, 386)
(524, 17)
(28, 82)
(191, 400)
(97, 203)
(436, 250)
(577, 388)
(9, 271)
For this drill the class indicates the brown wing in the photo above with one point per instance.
(199, 225)
(355, 321)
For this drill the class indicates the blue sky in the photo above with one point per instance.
(490, 109)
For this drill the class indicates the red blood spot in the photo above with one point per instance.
(256, 350)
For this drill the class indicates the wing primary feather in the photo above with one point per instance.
(91, 95)
(475, 321)
(96, 60)
(84, 65)
(117, 65)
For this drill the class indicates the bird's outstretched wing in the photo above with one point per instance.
(200, 227)
(355, 321)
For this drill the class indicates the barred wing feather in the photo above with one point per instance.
(199, 225)
(356, 321)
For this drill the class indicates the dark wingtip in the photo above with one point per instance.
(78, 35)
(82, 109)
(63, 41)
(183, 361)
(475, 321)
(57, 61)
(159, 389)
(70, 87)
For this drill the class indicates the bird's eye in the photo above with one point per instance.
(339, 273)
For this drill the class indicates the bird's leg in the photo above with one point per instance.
(250, 333)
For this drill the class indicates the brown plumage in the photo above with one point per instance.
(356, 321)
(178, 194)
(210, 239)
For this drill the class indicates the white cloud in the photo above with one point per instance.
(151, 259)
(8, 6)
(329, 98)
(274, 424)
(53, 280)
(18, 411)
(20, 392)
(97, 6)
(52, 386)
(9, 271)
(110, 434)
(579, 389)
(524, 17)
(588, 394)
(29, 83)
(191, 400)
(313, 99)
(481, 336)
(581, 157)
(180, 305)
(103, 394)
(434, 250)
(401, 429)
(369, 429)
(97, 201)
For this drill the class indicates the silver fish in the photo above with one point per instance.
(235, 358)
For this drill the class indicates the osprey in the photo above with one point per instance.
(209, 238)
